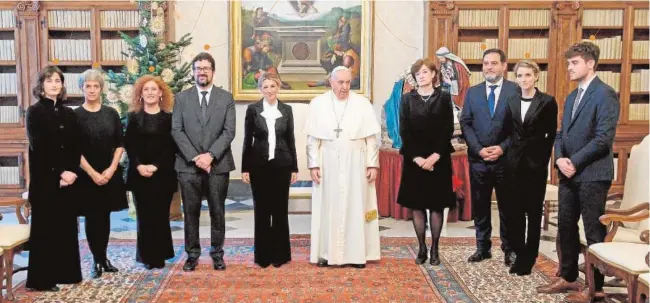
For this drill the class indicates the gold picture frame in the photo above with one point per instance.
(301, 41)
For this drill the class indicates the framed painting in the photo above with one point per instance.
(302, 42)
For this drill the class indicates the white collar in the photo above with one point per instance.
(585, 85)
(498, 84)
(270, 111)
(209, 90)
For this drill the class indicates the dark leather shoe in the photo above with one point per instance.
(479, 256)
(219, 264)
(148, 266)
(108, 267)
(190, 264)
(322, 263)
(521, 269)
(278, 264)
(263, 265)
(559, 286)
(509, 258)
(96, 271)
(358, 266)
(422, 256)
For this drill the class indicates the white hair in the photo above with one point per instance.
(338, 69)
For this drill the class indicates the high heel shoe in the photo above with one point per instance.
(435, 260)
(422, 257)
(96, 271)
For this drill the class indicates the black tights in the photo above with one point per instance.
(420, 225)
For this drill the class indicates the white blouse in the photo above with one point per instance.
(270, 114)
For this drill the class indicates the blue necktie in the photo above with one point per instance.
(491, 99)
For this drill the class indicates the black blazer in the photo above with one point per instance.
(256, 138)
(531, 141)
(479, 129)
(588, 139)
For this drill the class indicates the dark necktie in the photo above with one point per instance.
(492, 99)
(204, 108)
(576, 103)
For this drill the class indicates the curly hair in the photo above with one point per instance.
(585, 49)
(167, 102)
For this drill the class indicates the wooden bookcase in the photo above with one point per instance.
(82, 35)
(541, 31)
(75, 36)
(12, 104)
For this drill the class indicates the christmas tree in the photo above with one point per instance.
(148, 54)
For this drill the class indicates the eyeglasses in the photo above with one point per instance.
(203, 69)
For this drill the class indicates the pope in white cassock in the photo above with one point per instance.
(342, 151)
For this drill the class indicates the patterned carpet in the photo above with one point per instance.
(393, 279)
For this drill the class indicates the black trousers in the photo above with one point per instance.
(270, 186)
(98, 230)
(587, 199)
(193, 188)
(527, 197)
(484, 178)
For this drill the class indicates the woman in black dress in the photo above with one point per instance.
(100, 179)
(53, 159)
(270, 165)
(151, 176)
(426, 128)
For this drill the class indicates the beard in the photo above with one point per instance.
(492, 78)
(203, 81)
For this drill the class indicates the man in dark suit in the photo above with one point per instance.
(533, 116)
(203, 126)
(583, 149)
(484, 126)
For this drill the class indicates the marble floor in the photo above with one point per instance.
(239, 224)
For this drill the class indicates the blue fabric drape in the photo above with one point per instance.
(391, 110)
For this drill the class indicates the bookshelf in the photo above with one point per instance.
(75, 36)
(86, 35)
(12, 149)
(541, 31)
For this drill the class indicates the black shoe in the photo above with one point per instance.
(108, 267)
(158, 265)
(148, 266)
(479, 256)
(422, 256)
(435, 260)
(358, 266)
(190, 264)
(522, 267)
(278, 264)
(509, 258)
(219, 264)
(263, 265)
(96, 271)
(322, 263)
(51, 289)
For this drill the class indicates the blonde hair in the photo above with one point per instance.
(527, 63)
(268, 76)
(91, 75)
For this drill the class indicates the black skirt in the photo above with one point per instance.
(421, 189)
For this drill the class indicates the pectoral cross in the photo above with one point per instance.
(338, 130)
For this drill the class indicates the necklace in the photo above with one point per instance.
(427, 98)
(338, 129)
